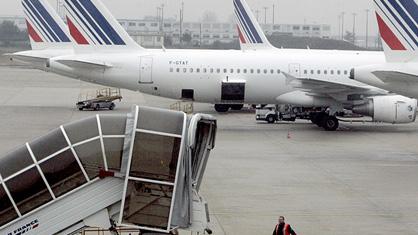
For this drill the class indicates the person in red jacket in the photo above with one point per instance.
(282, 228)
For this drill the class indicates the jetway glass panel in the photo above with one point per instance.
(113, 149)
(113, 124)
(7, 211)
(152, 119)
(63, 173)
(148, 204)
(156, 157)
(28, 190)
(90, 155)
(82, 130)
(15, 161)
(49, 144)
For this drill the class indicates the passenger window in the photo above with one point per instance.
(258, 71)
(171, 70)
(325, 72)
(218, 70)
(232, 70)
(184, 70)
(338, 72)
(278, 71)
(312, 72)
(305, 72)
(178, 70)
(265, 70)
(272, 71)
(191, 70)
(197, 70)
(319, 71)
(225, 70)
(238, 71)
(245, 70)
(251, 71)
(345, 72)
(63, 173)
(211, 70)
(332, 72)
(205, 70)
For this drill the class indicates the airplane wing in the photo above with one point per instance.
(393, 76)
(84, 64)
(324, 87)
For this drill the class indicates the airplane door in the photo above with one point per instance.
(294, 70)
(145, 70)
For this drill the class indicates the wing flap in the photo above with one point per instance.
(84, 64)
(393, 76)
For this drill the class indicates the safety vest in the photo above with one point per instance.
(286, 230)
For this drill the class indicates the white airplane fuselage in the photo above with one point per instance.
(167, 73)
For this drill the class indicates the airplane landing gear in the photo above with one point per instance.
(222, 108)
(237, 107)
(329, 123)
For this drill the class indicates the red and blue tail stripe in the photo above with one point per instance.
(47, 29)
(93, 24)
(400, 15)
(250, 31)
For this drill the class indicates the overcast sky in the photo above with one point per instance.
(287, 11)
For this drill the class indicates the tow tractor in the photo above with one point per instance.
(273, 113)
(99, 99)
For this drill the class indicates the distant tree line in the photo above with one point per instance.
(10, 34)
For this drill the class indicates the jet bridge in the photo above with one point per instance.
(141, 170)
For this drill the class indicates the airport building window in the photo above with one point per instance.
(7, 211)
(28, 190)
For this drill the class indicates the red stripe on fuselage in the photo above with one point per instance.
(32, 33)
(78, 37)
(388, 36)
(241, 37)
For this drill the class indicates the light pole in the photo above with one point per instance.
(342, 25)
(265, 15)
(367, 28)
(354, 28)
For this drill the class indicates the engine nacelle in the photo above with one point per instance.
(389, 109)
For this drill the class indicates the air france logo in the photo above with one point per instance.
(25, 228)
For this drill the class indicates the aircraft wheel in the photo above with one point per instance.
(237, 107)
(222, 108)
(330, 123)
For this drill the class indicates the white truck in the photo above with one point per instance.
(273, 113)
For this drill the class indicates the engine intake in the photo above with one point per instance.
(389, 109)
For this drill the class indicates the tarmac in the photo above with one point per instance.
(361, 179)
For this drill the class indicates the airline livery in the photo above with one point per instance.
(104, 53)
(397, 21)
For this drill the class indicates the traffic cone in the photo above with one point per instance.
(288, 135)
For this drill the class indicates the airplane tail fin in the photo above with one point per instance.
(45, 28)
(251, 35)
(93, 27)
(397, 21)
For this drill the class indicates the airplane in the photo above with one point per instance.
(48, 34)
(259, 74)
(397, 21)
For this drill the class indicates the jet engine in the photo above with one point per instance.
(389, 109)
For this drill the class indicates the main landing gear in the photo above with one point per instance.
(223, 108)
(326, 121)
